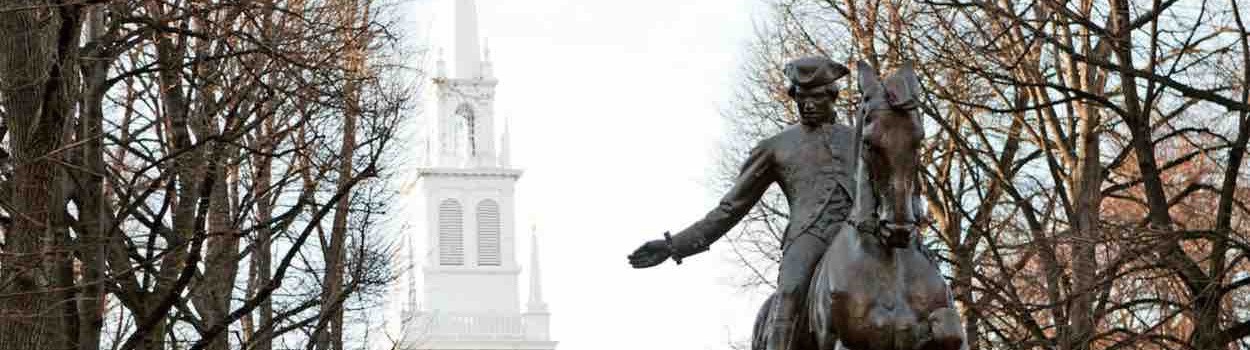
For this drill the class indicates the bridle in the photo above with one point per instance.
(873, 225)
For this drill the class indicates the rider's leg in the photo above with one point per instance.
(797, 263)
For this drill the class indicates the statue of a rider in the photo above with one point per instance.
(812, 164)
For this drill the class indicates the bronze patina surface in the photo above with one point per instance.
(876, 288)
(812, 164)
(871, 285)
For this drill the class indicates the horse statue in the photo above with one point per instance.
(876, 288)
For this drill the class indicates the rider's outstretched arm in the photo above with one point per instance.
(756, 174)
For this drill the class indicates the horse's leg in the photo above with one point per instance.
(826, 337)
(947, 330)
(925, 282)
(763, 328)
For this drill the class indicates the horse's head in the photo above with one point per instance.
(891, 137)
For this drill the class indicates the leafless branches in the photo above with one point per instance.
(1085, 159)
(173, 165)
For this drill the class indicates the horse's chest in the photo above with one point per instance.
(885, 307)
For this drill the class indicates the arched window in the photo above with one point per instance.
(466, 132)
(450, 233)
(488, 233)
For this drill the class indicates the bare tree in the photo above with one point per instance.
(1071, 142)
(175, 159)
(38, 87)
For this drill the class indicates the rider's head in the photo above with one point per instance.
(813, 87)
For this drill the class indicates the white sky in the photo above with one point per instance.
(614, 112)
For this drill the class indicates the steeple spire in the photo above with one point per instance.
(487, 68)
(440, 66)
(468, 53)
(486, 49)
(536, 303)
(505, 145)
(411, 306)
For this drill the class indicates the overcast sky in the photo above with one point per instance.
(614, 111)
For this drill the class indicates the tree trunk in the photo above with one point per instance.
(188, 168)
(335, 256)
(261, 258)
(1086, 197)
(93, 209)
(38, 84)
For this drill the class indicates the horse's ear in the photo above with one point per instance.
(869, 83)
(903, 87)
(908, 75)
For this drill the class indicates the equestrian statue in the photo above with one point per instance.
(853, 273)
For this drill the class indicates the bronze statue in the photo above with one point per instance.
(812, 163)
(876, 287)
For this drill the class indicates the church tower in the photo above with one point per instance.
(470, 292)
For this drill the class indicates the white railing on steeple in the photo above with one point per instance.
(475, 327)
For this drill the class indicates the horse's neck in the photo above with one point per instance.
(865, 205)
(864, 202)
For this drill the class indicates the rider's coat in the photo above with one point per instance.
(814, 170)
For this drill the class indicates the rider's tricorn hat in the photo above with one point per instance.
(814, 71)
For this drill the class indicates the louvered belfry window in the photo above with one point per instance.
(450, 233)
(488, 233)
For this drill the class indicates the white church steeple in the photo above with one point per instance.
(465, 125)
(471, 297)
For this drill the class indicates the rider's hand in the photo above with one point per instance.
(649, 254)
